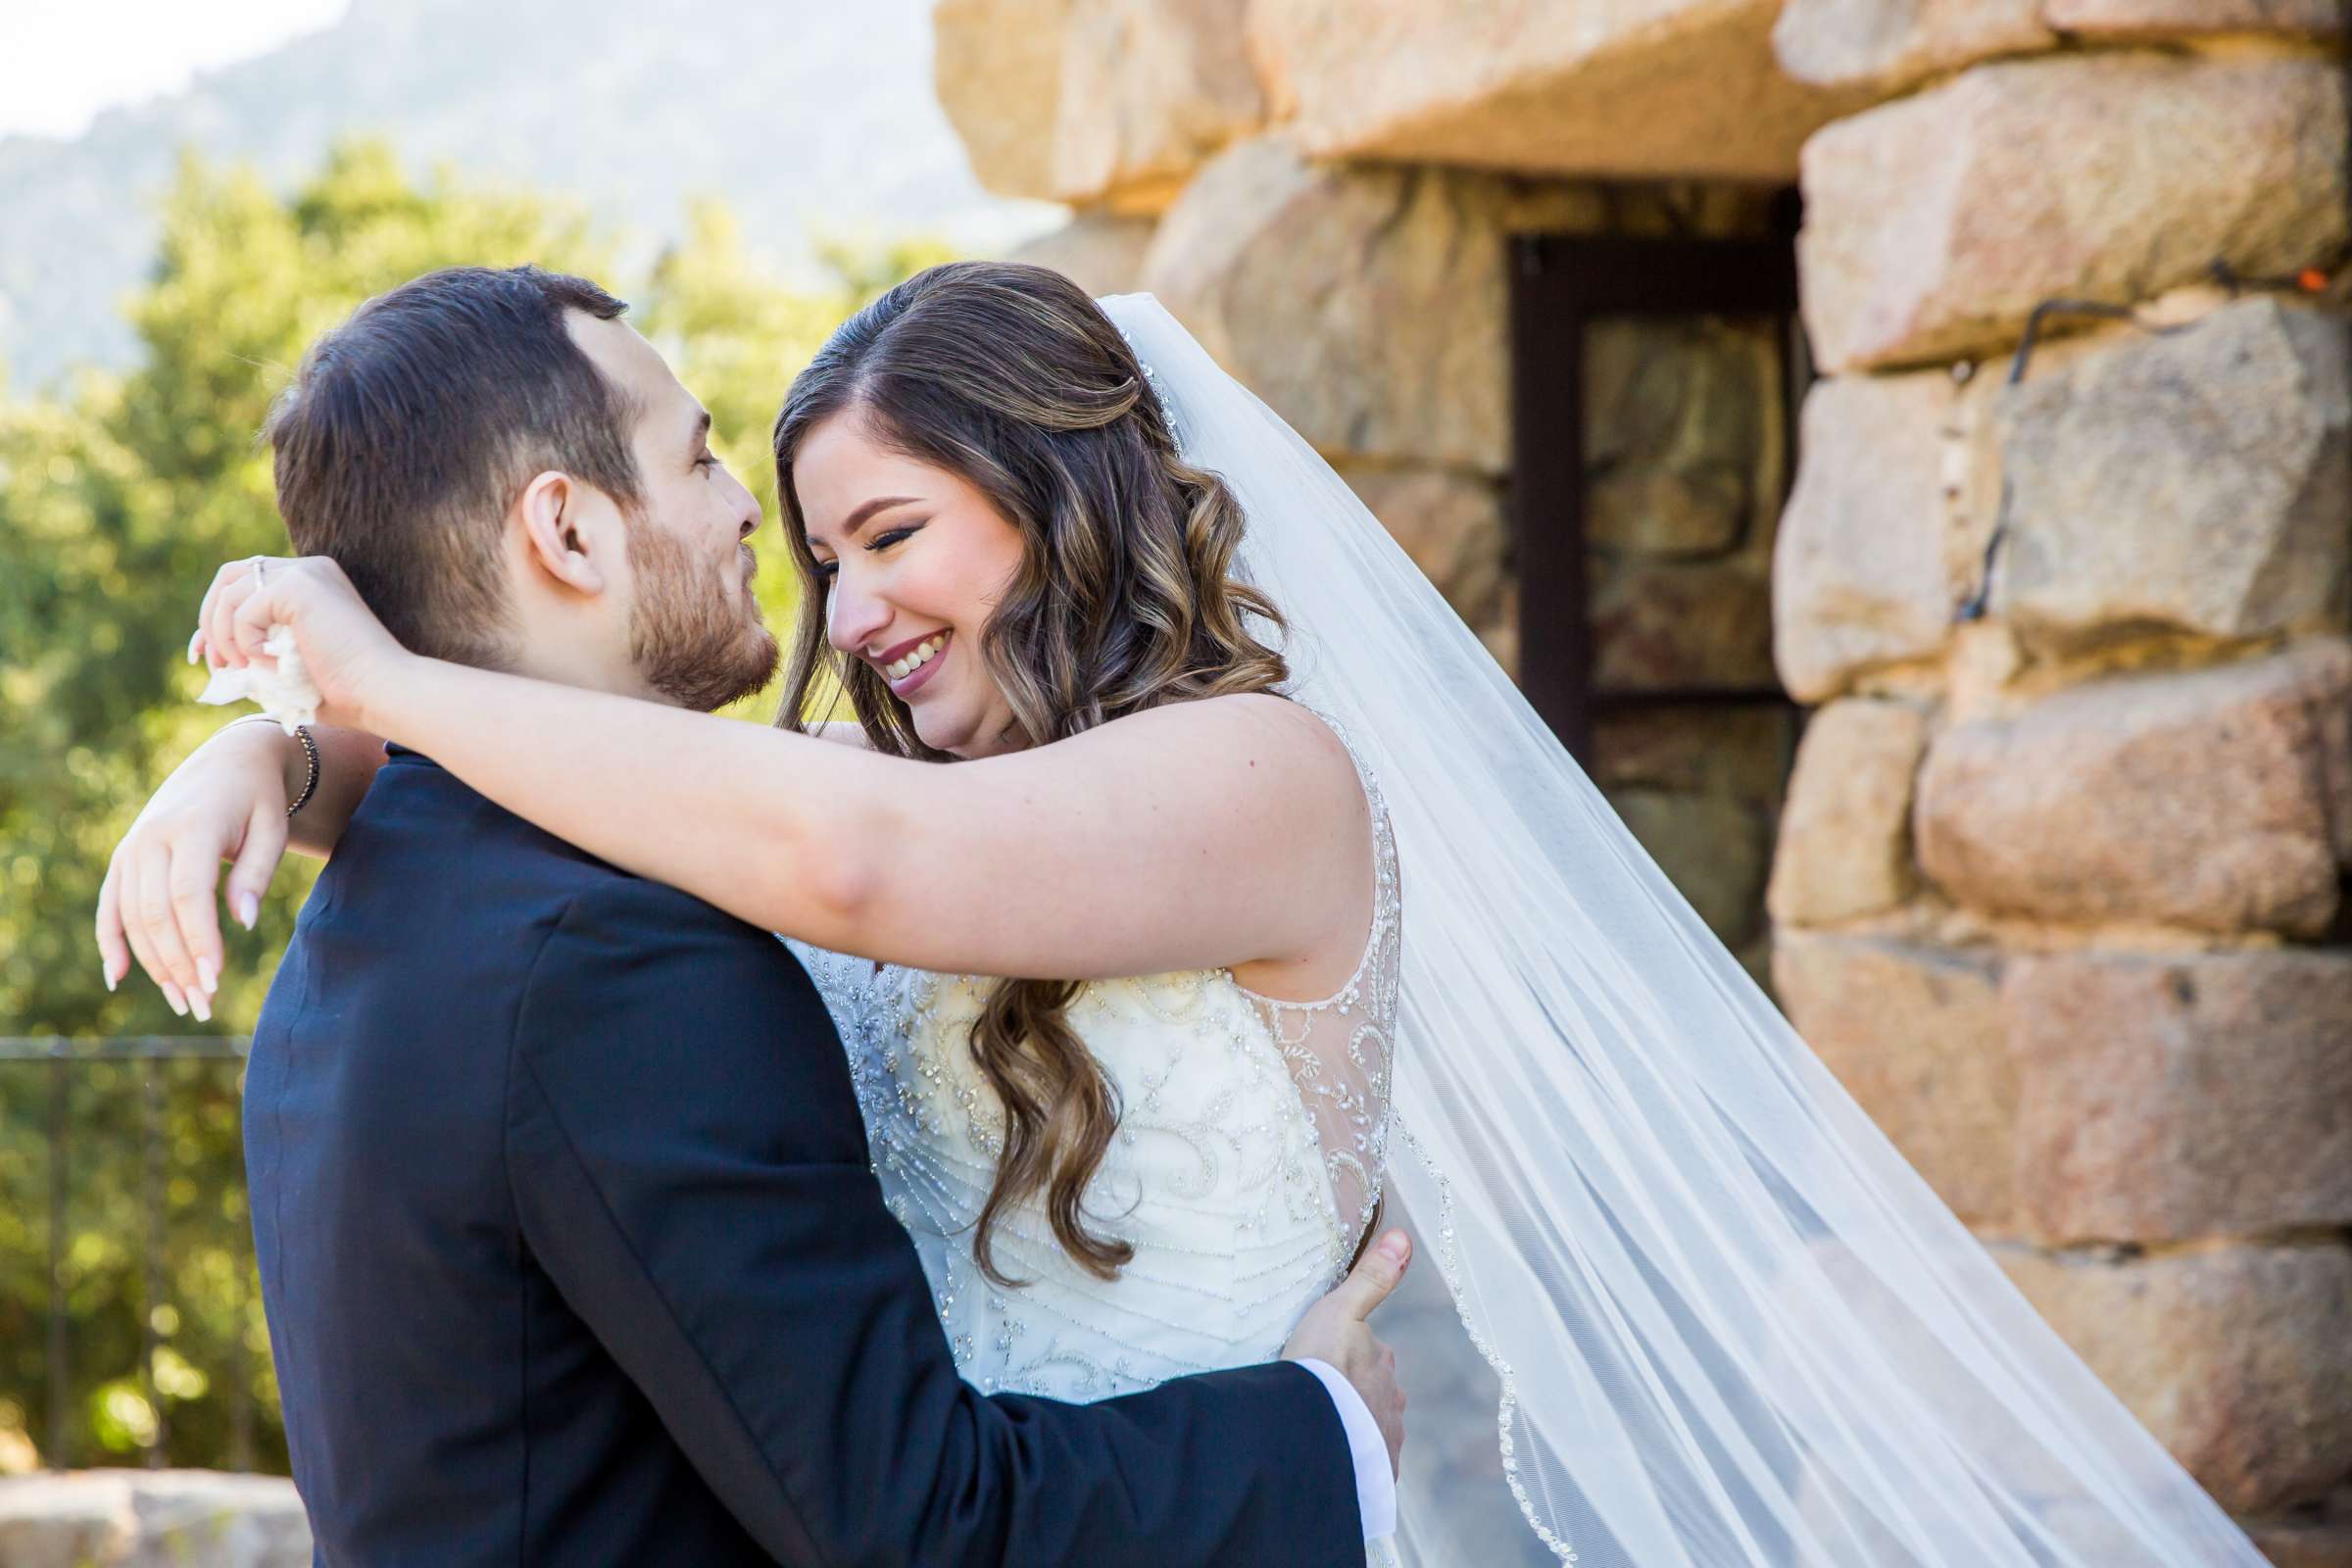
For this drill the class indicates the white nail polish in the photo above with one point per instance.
(207, 978)
(179, 1004)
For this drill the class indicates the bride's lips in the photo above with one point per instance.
(907, 685)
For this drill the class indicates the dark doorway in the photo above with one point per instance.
(1656, 385)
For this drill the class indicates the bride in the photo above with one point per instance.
(1211, 727)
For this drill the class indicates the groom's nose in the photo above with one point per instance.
(747, 508)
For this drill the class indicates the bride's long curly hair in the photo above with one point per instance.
(1010, 377)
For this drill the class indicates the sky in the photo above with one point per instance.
(64, 61)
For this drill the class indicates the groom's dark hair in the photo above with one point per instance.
(409, 429)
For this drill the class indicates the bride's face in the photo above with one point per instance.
(914, 559)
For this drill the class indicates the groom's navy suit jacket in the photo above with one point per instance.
(573, 1253)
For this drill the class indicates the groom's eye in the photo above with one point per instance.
(708, 461)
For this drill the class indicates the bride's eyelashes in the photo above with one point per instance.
(826, 570)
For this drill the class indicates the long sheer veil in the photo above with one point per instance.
(1721, 1321)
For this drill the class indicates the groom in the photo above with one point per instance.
(568, 1239)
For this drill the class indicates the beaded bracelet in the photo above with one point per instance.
(310, 785)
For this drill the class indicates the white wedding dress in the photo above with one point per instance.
(1247, 1162)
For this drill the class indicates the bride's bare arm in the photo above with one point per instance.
(227, 802)
(1224, 832)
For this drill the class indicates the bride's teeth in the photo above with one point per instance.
(916, 658)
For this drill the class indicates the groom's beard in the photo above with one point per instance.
(692, 633)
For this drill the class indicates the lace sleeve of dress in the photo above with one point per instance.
(1339, 1050)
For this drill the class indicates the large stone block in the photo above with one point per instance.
(1882, 46)
(2166, 1099)
(1083, 100)
(996, 68)
(1644, 88)
(1935, 224)
(1453, 526)
(1885, 46)
(1915, 1034)
(132, 1518)
(1102, 253)
(2152, 20)
(1845, 836)
(2234, 1358)
(2219, 799)
(1365, 306)
(1683, 434)
(1864, 569)
(2199, 481)
(1663, 626)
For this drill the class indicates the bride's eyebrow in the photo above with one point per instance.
(859, 518)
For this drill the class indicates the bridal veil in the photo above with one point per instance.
(1717, 1318)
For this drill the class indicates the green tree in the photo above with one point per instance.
(117, 498)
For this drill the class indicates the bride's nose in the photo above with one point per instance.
(853, 617)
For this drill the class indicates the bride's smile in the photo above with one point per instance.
(909, 666)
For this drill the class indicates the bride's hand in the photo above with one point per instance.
(227, 800)
(348, 654)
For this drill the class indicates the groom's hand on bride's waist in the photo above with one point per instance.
(1336, 1331)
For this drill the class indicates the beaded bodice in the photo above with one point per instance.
(1251, 1139)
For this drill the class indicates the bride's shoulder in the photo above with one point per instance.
(1242, 715)
(1289, 744)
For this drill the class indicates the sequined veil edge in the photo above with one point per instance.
(1388, 930)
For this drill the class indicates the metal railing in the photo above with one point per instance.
(62, 1058)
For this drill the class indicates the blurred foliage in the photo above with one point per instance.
(117, 499)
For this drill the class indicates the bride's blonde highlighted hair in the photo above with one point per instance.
(1010, 377)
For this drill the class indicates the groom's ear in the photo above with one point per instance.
(552, 514)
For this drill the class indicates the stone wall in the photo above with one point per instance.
(2060, 890)
(151, 1519)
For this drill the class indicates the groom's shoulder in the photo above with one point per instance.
(420, 823)
(610, 930)
(628, 965)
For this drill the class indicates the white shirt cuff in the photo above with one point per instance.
(1375, 1483)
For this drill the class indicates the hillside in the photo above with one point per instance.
(793, 112)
